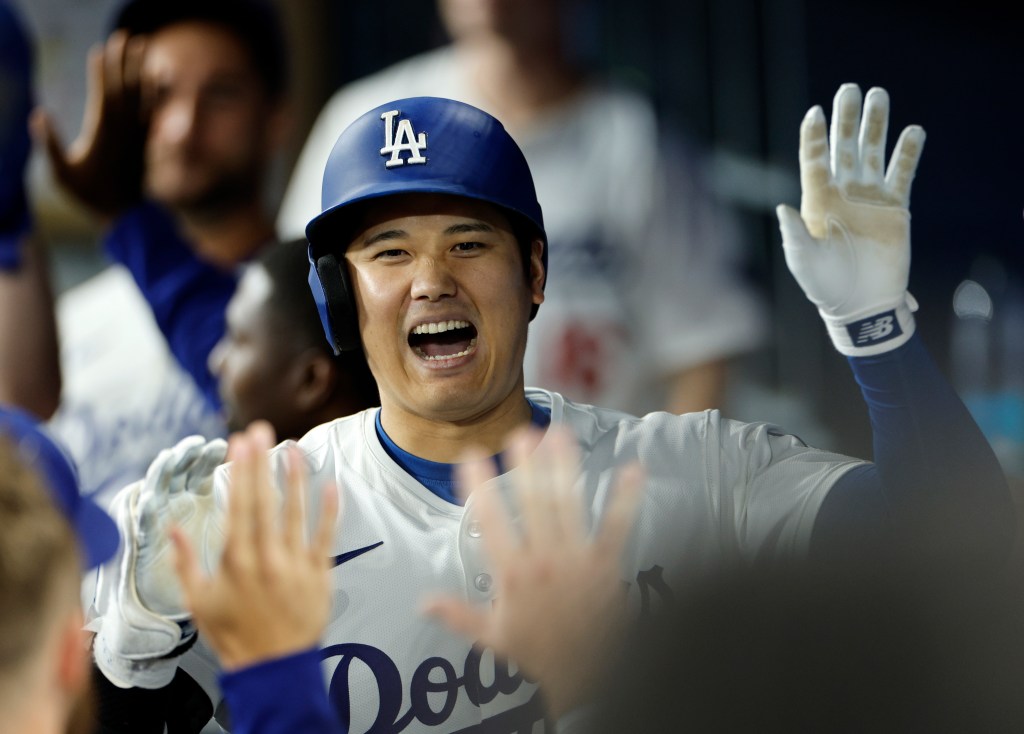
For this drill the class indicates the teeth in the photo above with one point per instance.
(441, 357)
(439, 327)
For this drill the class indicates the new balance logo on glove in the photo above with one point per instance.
(874, 329)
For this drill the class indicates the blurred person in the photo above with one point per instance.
(49, 533)
(429, 254)
(28, 343)
(645, 305)
(185, 111)
(273, 362)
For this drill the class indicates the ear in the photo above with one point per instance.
(538, 271)
(315, 376)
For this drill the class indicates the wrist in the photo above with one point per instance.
(872, 331)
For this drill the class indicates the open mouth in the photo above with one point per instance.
(439, 340)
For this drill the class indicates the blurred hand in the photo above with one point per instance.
(103, 168)
(559, 604)
(270, 594)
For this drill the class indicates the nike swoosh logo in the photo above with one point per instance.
(349, 555)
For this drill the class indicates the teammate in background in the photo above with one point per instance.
(273, 363)
(44, 663)
(430, 253)
(646, 306)
(26, 304)
(185, 111)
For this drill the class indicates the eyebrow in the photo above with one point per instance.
(397, 234)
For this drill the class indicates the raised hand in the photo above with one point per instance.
(269, 595)
(559, 597)
(849, 247)
(103, 168)
(143, 621)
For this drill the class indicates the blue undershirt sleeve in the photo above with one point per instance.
(188, 296)
(935, 489)
(280, 696)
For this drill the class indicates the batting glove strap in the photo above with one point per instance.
(128, 672)
(874, 331)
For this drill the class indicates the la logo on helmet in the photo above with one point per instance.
(402, 139)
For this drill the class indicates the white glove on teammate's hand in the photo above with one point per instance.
(144, 619)
(849, 247)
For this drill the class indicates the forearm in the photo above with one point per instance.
(286, 694)
(30, 375)
(936, 488)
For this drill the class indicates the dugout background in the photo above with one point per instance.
(737, 76)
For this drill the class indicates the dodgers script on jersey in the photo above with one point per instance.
(718, 490)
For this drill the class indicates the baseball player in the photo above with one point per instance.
(430, 253)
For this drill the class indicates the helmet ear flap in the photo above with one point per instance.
(334, 302)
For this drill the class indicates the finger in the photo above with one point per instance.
(873, 131)
(566, 509)
(241, 526)
(815, 173)
(472, 471)
(792, 226)
(903, 166)
(458, 616)
(294, 510)
(620, 512)
(330, 510)
(844, 133)
(184, 455)
(210, 457)
(502, 544)
(134, 52)
(93, 111)
(533, 488)
(261, 440)
(113, 66)
(186, 566)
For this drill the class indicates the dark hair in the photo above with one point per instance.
(293, 308)
(256, 23)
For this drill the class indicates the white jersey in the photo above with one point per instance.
(718, 490)
(124, 396)
(641, 280)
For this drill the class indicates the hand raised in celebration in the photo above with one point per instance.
(103, 168)
(270, 594)
(559, 598)
(849, 248)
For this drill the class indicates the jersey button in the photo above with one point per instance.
(473, 529)
(483, 582)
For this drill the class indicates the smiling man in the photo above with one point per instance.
(430, 253)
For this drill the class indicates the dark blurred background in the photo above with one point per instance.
(738, 76)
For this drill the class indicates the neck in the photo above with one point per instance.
(518, 83)
(447, 440)
(231, 237)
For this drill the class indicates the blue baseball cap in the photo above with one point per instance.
(97, 534)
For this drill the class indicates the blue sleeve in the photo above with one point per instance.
(189, 297)
(280, 696)
(935, 488)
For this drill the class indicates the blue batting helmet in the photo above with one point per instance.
(415, 145)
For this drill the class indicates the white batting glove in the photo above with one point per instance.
(144, 623)
(849, 247)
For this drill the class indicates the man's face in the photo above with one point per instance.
(209, 135)
(252, 360)
(443, 305)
